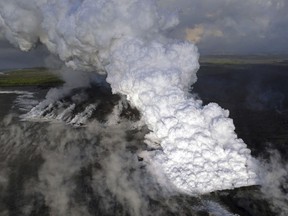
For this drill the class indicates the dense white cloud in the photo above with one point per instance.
(227, 26)
(124, 39)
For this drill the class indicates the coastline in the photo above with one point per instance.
(41, 77)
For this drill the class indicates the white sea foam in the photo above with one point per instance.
(25, 102)
(17, 92)
(200, 150)
(62, 112)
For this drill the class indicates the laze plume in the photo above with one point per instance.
(124, 39)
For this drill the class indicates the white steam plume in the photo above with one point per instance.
(200, 150)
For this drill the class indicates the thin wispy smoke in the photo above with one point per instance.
(80, 171)
(275, 182)
(66, 154)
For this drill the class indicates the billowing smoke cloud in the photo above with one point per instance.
(59, 25)
(197, 142)
(198, 150)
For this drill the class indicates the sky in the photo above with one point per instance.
(215, 26)
(233, 26)
(11, 57)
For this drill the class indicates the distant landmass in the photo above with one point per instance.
(28, 77)
(236, 59)
(44, 76)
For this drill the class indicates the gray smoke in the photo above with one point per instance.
(96, 159)
(275, 182)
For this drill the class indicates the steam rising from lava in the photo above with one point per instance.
(198, 150)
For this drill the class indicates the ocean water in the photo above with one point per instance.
(55, 165)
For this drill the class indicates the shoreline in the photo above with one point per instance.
(244, 60)
(41, 77)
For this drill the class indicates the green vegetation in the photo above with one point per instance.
(29, 77)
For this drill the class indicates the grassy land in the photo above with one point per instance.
(29, 77)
